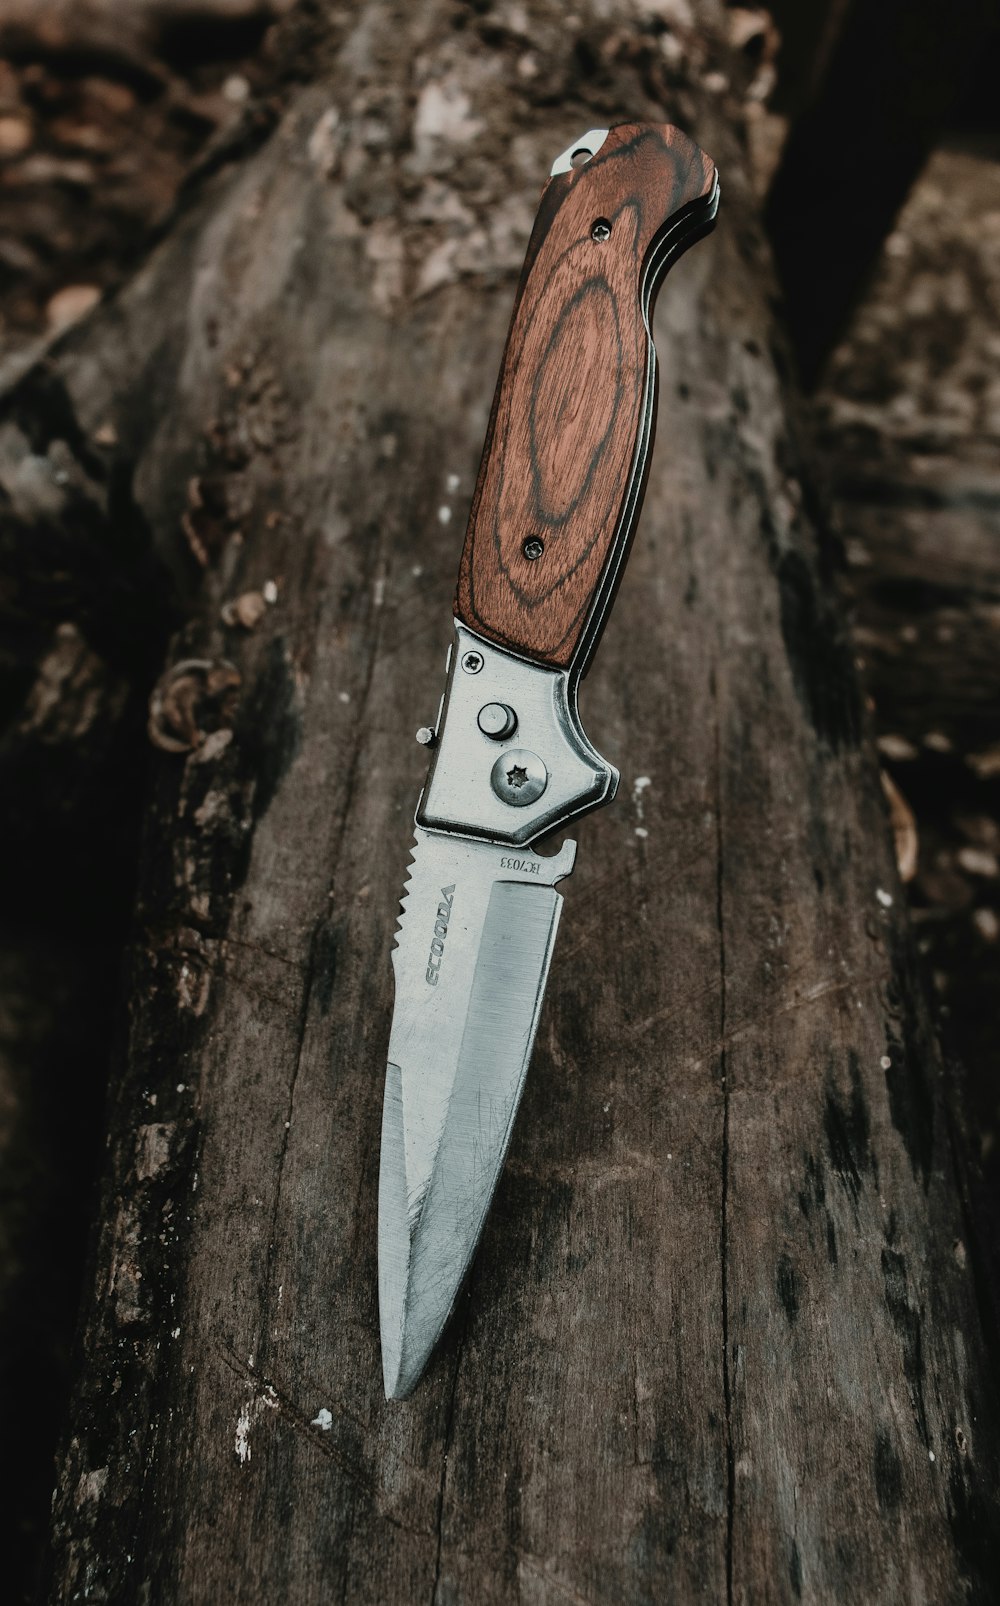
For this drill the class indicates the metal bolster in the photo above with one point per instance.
(516, 782)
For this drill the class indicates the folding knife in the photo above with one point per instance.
(559, 490)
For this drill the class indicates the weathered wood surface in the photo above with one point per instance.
(918, 493)
(723, 1339)
(907, 422)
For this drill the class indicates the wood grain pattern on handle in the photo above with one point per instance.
(567, 444)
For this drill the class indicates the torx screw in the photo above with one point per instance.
(533, 548)
(472, 662)
(519, 777)
(601, 230)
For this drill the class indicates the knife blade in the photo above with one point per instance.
(556, 502)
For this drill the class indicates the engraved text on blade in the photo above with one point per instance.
(440, 933)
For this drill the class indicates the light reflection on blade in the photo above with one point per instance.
(472, 959)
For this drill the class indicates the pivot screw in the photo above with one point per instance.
(601, 230)
(497, 721)
(519, 777)
(533, 548)
(472, 662)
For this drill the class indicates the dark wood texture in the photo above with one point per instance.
(884, 94)
(725, 1310)
(565, 450)
(907, 423)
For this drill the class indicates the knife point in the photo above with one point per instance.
(391, 1381)
(401, 1387)
(402, 1371)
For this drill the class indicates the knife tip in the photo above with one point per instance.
(398, 1380)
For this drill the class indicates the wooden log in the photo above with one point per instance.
(906, 423)
(887, 87)
(58, 992)
(723, 1339)
(82, 636)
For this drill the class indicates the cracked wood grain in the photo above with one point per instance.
(727, 1358)
(725, 1308)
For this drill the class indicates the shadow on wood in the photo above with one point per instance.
(723, 1336)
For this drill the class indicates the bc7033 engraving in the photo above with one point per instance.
(526, 866)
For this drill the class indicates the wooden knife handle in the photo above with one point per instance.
(563, 470)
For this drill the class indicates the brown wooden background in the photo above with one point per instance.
(724, 1339)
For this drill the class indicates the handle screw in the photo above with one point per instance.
(519, 777)
(472, 662)
(601, 230)
(533, 548)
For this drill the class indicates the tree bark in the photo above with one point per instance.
(723, 1339)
